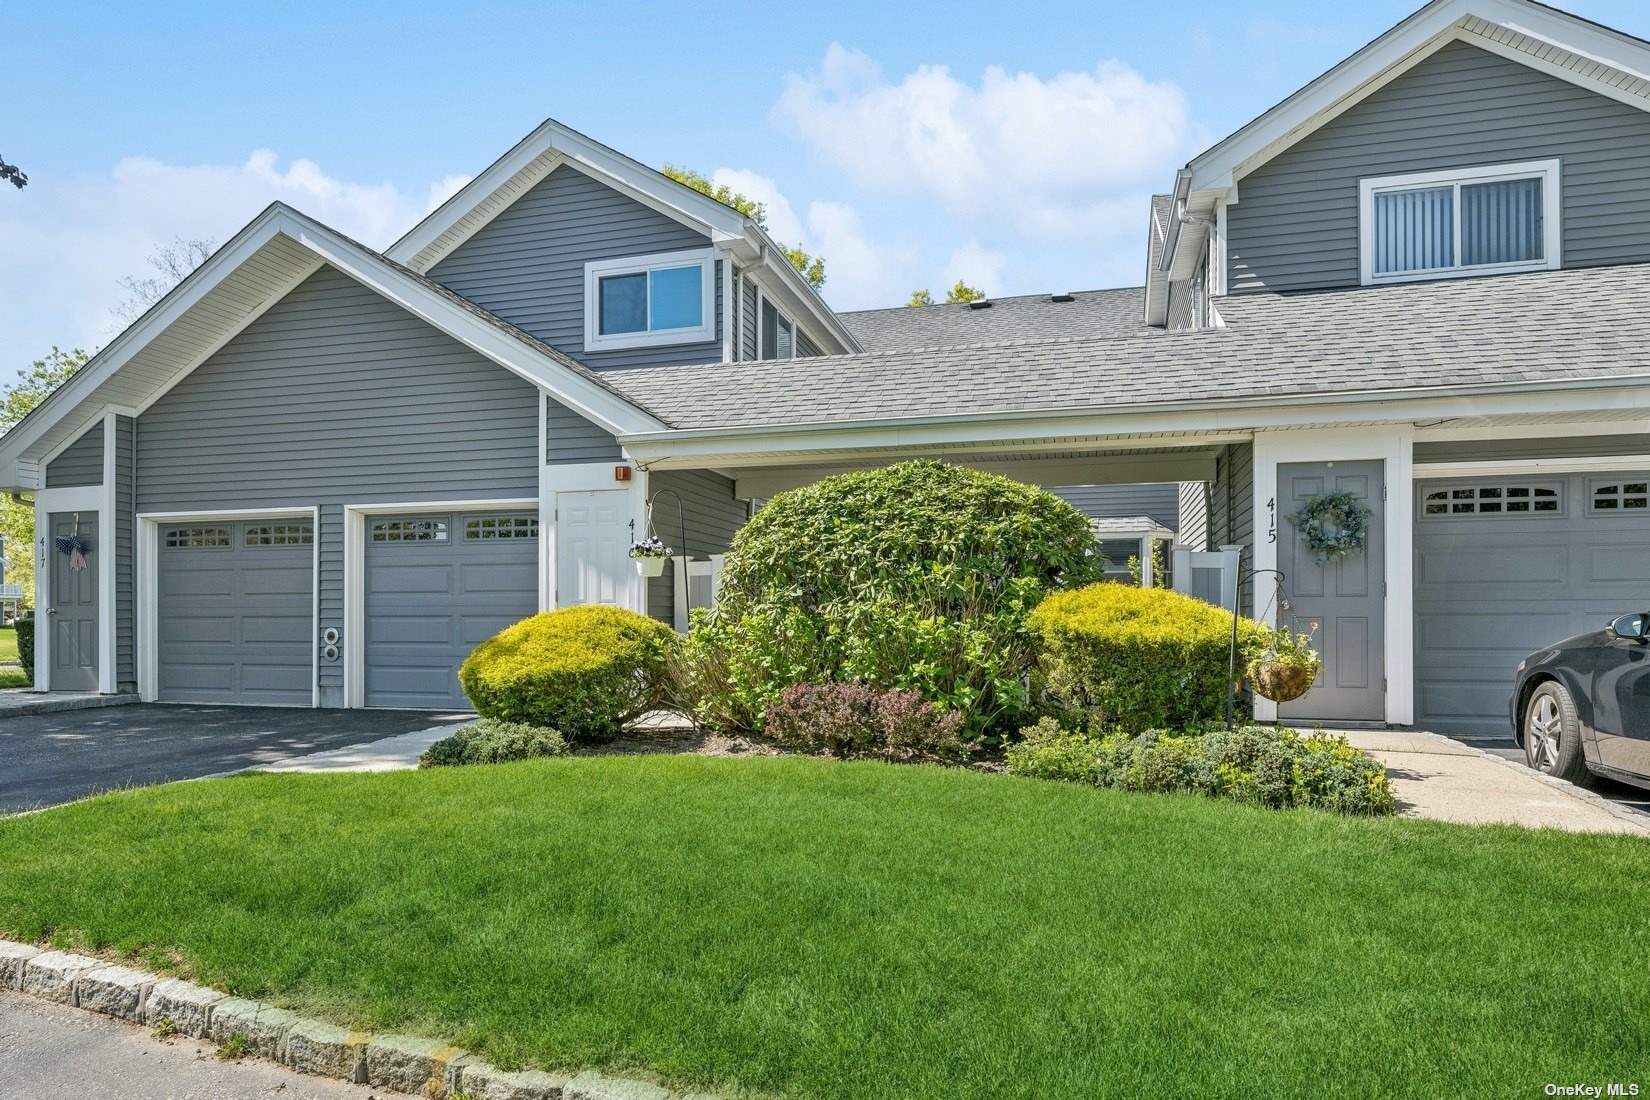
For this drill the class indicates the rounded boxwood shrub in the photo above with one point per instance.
(1138, 658)
(489, 741)
(917, 576)
(584, 670)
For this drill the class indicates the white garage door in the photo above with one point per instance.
(436, 586)
(235, 615)
(1506, 565)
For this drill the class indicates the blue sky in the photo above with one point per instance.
(1008, 144)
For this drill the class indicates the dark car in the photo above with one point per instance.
(1582, 707)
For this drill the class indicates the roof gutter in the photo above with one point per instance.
(1264, 400)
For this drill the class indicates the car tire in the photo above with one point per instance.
(1551, 733)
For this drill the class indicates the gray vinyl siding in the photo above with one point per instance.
(527, 264)
(1194, 514)
(569, 437)
(125, 542)
(81, 464)
(713, 514)
(1490, 450)
(337, 396)
(1295, 225)
(1232, 506)
(747, 322)
(804, 346)
(1159, 501)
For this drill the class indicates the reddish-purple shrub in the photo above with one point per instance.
(846, 720)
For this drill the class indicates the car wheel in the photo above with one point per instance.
(1552, 734)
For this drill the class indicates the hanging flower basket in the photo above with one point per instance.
(1288, 667)
(1281, 683)
(650, 555)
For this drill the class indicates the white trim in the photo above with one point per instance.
(1393, 446)
(1519, 467)
(108, 555)
(712, 568)
(355, 558)
(1401, 48)
(1552, 217)
(146, 631)
(725, 280)
(596, 270)
(760, 298)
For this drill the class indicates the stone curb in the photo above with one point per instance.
(47, 705)
(402, 1063)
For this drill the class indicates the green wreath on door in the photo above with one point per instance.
(1334, 525)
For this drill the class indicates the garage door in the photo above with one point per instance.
(436, 585)
(1504, 566)
(235, 618)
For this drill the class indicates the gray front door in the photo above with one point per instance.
(236, 613)
(436, 586)
(1506, 565)
(1342, 601)
(73, 611)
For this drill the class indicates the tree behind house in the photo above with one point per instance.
(811, 267)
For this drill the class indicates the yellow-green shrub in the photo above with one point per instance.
(584, 670)
(1139, 658)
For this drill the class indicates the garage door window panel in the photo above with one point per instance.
(280, 534)
(483, 528)
(1614, 497)
(1493, 499)
(409, 530)
(197, 538)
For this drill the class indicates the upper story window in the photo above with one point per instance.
(778, 333)
(643, 301)
(1464, 221)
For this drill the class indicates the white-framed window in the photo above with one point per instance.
(197, 538)
(409, 530)
(280, 534)
(1524, 498)
(1461, 221)
(645, 301)
(775, 331)
(1616, 495)
(485, 528)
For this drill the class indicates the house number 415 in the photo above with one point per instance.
(1272, 520)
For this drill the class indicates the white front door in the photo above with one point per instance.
(593, 548)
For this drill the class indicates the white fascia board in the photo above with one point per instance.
(1399, 49)
(593, 401)
(66, 398)
(717, 220)
(1610, 398)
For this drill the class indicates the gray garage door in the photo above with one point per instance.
(236, 613)
(435, 586)
(1506, 565)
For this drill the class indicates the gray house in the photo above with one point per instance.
(316, 475)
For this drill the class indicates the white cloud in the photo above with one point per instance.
(72, 240)
(783, 224)
(978, 266)
(1072, 155)
(861, 273)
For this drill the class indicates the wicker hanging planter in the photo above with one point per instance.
(1281, 683)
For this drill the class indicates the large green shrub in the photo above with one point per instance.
(585, 670)
(1138, 657)
(917, 576)
(1263, 765)
(489, 741)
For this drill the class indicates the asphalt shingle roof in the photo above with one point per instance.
(1546, 326)
(1094, 313)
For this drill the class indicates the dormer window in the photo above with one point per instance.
(1463, 221)
(647, 301)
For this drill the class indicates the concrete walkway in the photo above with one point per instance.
(53, 1052)
(1439, 778)
(15, 702)
(388, 754)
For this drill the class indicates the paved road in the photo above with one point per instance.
(51, 1052)
(50, 758)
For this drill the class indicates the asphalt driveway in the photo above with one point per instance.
(46, 759)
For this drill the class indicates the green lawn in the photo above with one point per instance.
(828, 930)
(8, 645)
